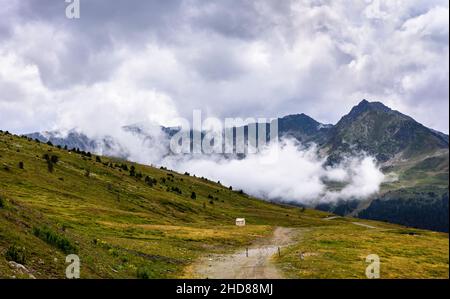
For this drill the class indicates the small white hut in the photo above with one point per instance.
(240, 221)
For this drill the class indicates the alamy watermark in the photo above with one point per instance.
(231, 136)
(373, 270)
(73, 270)
(73, 9)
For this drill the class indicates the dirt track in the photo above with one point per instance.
(237, 265)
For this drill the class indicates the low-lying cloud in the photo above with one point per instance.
(286, 171)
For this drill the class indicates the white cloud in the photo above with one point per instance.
(297, 174)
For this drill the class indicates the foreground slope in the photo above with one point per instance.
(126, 220)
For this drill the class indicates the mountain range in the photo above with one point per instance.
(417, 156)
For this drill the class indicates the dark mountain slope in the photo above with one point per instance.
(376, 129)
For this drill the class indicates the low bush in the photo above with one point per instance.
(16, 254)
(143, 273)
(50, 237)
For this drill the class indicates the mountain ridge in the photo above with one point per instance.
(404, 148)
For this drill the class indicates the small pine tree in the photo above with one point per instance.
(132, 170)
(2, 202)
(97, 159)
(54, 159)
(193, 195)
(21, 165)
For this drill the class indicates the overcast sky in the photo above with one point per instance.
(128, 61)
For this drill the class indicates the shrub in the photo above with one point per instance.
(193, 195)
(143, 273)
(176, 190)
(150, 181)
(98, 159)
(2, 202)
(49, 143)
(50, 237)
(21, 165)
(54, 159)
(132, 170)
(16, 254)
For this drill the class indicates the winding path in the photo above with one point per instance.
(257, 265)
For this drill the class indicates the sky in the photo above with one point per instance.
(130, 61)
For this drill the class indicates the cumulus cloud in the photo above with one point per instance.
(267, 58)
(288, 172)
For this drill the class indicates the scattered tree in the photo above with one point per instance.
(2, 202)
(132, 170)
(54, 159)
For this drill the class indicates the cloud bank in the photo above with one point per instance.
(288, 172)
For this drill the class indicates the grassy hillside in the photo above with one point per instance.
(126, 220)
(340, 250)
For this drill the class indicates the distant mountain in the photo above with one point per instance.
(416, 155)
(304, 128)
(384, 133)
(105, 145)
